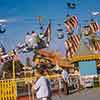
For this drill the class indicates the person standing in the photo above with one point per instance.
(64, 75)
(30, 40)
(42, 85)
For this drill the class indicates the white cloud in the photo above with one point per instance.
(3, 20)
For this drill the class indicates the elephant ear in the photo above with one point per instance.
(71, 5)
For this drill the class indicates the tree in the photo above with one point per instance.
(8, 68)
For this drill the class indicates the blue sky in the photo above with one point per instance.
(85, 67)
(21, 16)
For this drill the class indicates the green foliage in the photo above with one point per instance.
(7, 67)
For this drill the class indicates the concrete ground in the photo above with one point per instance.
(87, 94)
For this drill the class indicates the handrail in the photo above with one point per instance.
(84, 58)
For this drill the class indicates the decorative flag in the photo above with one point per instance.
(70, 23)
(68, 26)
(5, 58)
(47, 33)
(8, 57)
(93, 27)
(72, 44)
(98, 44)
(69, 50)
(94, 46)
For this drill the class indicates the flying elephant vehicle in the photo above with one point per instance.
(3, 26)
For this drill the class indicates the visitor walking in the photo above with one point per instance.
(42, 85)
(64, 74)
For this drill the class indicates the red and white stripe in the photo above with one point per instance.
(5, 58)
(74, 18)
(68, 27)
(71, 23)
(72, 44)
(69, 50)
(8, 57)
(97, 45)
(94, 46)
(94, 27)
(76, 40)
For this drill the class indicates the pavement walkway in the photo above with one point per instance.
(87, 94)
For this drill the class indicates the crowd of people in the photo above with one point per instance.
(32, 41)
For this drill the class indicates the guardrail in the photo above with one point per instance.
(8, 87)
(8, 90)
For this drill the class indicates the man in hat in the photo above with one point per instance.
(64, 74)
(42, 85)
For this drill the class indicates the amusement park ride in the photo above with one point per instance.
(39, 45)
(2, 26)
(85, 34)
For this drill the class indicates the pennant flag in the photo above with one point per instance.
(71, 23)
(5, 58)
(68, 26)
(69, 50)
(96, 45)
(72, 44)
(76, 40)
(47, 33)
(8, 57)
(93, 27)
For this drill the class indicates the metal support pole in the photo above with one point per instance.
(13, 63)
(29, 91)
